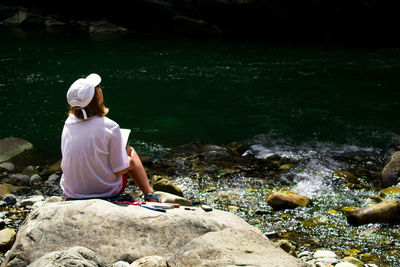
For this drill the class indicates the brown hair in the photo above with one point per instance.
(93, 109)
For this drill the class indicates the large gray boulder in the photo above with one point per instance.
(127, 233)
(11, 146)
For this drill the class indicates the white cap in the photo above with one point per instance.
(81, 92)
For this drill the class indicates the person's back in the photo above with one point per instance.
(92, 152)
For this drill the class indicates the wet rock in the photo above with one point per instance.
(19, 179)
(165, 185)
(348, 176)
(75, 256)
(11, 146)
(287, 200)
(8, 166)
(8, 189)
(53, 178)
(151, 261)
(35, 179)
(30, 170)
(195, 236)
(10, 199)
(354, 261)
(171, 198)
(387, 211)
(287, 246)
(106, 27)
(7, 238)
(54, 168)
(395, 190)
(187, 148)
(390, 173)
(146, 161)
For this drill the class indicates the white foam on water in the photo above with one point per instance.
(315, 162)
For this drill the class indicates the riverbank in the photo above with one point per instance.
(236, 179)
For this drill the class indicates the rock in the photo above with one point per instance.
(7, 237)
(146, 161)
(120, 264)
(19, 179)
(7, 166)
(165, 185)
(75, 256)
(151, 261)
(233, 247)
(171, 198)
(55, 167)
(287, 200)
(324, 254)
(35, 179)
(354, 261)
(31, 200)
(387, 211)
(131, 232)
(29, 170)
(17, 263)
(187, 148)
(348, 176)
(8, 189)
(395, 190)
(346, 264)
(390, 173)
(11, 146)
(103, 27)
(4, 190)
(10, 199)
(53, 178)
(287, 246)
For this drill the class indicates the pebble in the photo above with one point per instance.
(121, 264)
(53, 178)
(19, 178)
(345, 264)
(206, 208)
(324, 254)
(7, 166)
(7, 237)
(35, 179)
(10, 199)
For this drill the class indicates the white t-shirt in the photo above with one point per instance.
(92, 151)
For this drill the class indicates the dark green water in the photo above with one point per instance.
(171, 91)
(308, 102)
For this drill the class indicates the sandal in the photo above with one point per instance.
(152, 196)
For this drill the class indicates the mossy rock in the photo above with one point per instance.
(165, 185)
(348, 176)
(287, 200)
(287, 166)
(395, 190)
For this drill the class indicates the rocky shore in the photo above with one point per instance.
(105, 234)
(363, 20)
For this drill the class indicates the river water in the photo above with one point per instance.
(299, 100)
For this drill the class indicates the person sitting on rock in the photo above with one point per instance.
(95, 160)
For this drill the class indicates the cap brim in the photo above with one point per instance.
(93, 79)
